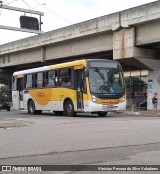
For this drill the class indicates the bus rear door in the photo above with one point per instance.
(20, 84)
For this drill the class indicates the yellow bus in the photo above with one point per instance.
(81, 86)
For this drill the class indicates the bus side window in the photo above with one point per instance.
(51, 77)
(28, 81)
(64, 78)
(39, 80)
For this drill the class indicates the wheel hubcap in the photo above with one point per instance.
(69, 109)
(31, 107)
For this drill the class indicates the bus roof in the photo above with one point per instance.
(50, 67)
(61, 65)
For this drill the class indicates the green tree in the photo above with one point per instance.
(135, 84)
(4, 93)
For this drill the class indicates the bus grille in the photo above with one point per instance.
(106, 97)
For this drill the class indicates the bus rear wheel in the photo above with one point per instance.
(102, 114)
(31, 107)
(69, 109)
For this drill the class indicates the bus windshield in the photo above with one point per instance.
(106, 80)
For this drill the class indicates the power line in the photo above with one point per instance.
(26, 3)
(18, 0)
(42, 4)
(10, 2)
(53, 12)
(7, 3)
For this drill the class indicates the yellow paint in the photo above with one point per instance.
(68, 64)
(78, 67)
(88, 89)
(7, 128)
(20, 76)
(109, 101)
(44, 96)
(41, 96)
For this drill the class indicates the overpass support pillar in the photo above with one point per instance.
(123, 43)
(124, 46)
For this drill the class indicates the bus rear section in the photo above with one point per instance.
(89, 86)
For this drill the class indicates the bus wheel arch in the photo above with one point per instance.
(68, 107)
(31, 107)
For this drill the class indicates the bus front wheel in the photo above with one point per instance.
(102, 114)
(31, 107)
(69, 109)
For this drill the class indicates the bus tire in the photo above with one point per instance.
(31, 107)
(69, 109)
(102, 114)
(8, 109)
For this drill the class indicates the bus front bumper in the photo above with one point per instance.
(95, 107)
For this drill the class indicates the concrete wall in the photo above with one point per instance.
(148, 33)
(68, 48)
(20, 58)
(80, 46)
(127, 18)
(155, 77)
(123, 43)
(153, 80)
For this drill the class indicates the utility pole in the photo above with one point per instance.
(28, 24)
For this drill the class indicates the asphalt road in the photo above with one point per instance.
(48, 139)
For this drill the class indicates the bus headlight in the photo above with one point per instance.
(94, 99)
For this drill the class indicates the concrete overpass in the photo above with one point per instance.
(131, 36)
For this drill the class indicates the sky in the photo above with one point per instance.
(59, 13)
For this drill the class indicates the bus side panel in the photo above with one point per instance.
(60, 95)
(26, 97)
(15, 100)
(50, 98)
(87, 97)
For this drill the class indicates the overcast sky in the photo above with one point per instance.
(59, 13)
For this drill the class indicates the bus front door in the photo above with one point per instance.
(20, 92)
(79, 78)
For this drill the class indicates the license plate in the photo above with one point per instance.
(111, 106)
